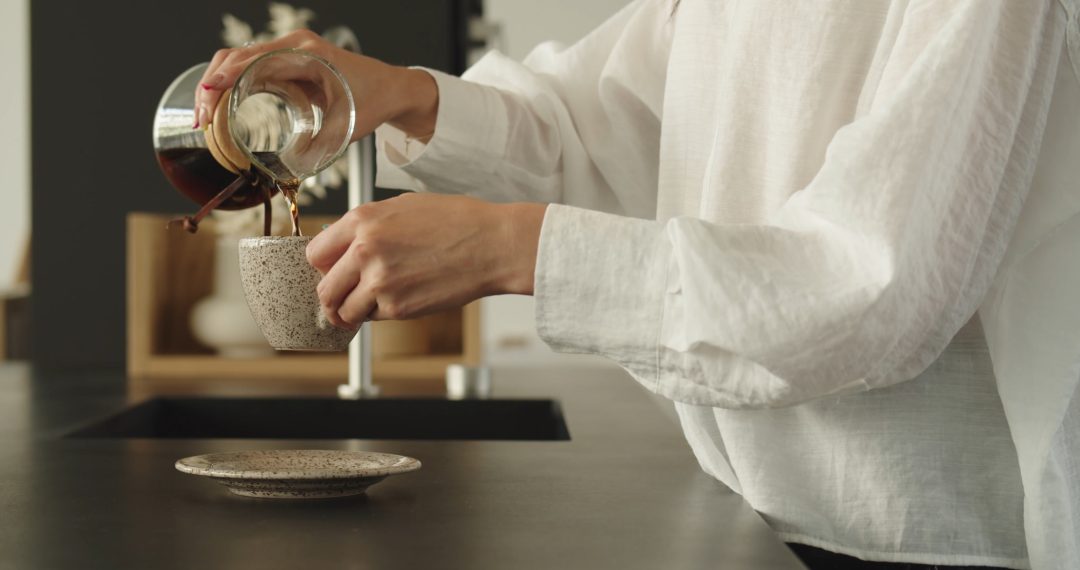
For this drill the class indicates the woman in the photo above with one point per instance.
(802, 222)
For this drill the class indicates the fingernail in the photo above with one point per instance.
(346, 326)
(213, 82)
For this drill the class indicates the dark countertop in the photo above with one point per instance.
(624, 493)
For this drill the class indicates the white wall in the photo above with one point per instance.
(526, 23)
(508, 325)
(14, 135)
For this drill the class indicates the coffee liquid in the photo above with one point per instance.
(285, 181)
(196, 173)
(288, 190)
(199, 176)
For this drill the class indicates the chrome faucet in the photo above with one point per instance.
(361, 157)
(361, 161)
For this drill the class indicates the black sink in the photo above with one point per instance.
(326, 418)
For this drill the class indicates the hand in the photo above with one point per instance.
(420, 253)
(405, 98)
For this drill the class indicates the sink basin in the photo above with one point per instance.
(327, 418)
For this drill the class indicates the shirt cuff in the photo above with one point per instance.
(399, 148)
(600, 287)
(468, 143)
(395, 151)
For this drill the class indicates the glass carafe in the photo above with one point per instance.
(288, 116)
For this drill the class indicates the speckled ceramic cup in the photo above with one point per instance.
(279, 285)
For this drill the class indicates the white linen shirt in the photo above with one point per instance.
(785, 217)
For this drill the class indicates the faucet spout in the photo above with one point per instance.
(361, 160)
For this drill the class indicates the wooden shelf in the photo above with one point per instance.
(169, 271)
(329, 367)
(287, 374)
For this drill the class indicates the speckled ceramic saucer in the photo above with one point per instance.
(297, 474)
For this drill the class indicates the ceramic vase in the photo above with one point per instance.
(222, 320)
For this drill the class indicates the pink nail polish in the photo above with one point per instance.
(213, 82)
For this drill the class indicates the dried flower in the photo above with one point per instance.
(236, 31)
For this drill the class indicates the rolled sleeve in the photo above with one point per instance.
(592, 298)
(468, 144)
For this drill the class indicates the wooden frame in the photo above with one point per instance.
(20, 290)
(169, 270)
(13, 307)
(3, 329)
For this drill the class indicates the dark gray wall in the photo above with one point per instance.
(98, 70)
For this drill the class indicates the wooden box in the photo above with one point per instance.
(169, 270)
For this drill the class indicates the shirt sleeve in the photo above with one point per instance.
(864, 275)
(577, 125)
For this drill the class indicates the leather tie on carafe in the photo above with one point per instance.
(224, 150)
